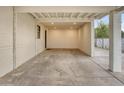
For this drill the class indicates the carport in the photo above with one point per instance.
(54, 38)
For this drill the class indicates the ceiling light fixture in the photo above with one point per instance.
(74, 23)
(52, 23)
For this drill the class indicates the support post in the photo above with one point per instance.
(14, 38)
(92, 38)
(115, 42)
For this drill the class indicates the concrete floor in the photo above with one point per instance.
(101, 58)
(62, 67)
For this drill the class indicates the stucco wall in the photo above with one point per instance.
(25, 38)
(85, 39)
(6, 40)
(62, 38)
(27, 46)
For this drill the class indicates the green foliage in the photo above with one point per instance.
(122, 34)
(102, 31)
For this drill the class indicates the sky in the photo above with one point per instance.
(106, 21)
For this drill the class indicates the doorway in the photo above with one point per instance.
(45, 38)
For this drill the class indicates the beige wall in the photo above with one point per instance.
(27, 46)
(62, 38)
(86, 39)
(25, 38)
(6, 40)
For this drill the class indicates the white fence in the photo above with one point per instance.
(104, 43)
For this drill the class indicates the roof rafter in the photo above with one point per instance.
(34, 15)
(65, 19)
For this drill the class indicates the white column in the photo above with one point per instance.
(92, 38)
(14, 38)
(115, 42)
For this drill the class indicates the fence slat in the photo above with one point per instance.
(102, 43)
